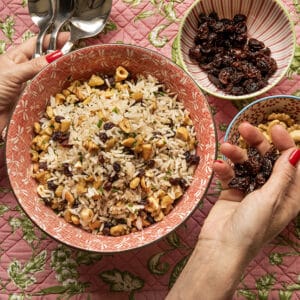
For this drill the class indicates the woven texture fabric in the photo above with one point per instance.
(35, 266)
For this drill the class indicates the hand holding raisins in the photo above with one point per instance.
(241, 221)
(16, 68)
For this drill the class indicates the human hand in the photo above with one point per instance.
(16, 67)
(248, 222)
(239, 225)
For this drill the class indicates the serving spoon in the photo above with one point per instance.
(88, 20)
(62, 11)
(41, 12)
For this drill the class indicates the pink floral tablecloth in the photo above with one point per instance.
(33, 266)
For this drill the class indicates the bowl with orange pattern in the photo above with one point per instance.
(236, 49)
(83, 188)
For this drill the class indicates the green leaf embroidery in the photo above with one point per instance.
(2, 46)
(110, 26)
(223, 127)
(275, 259)
(7, 27)
(87, 258)
(144, 15)
(264, 285)
(155, 39)
(24, 3)
(121, 281)
(157, 267)
(27, 227)
(3, 209)
(297, 6)
(174, 240)
(295, 65)
(16, 297)
(27, 35)
(285, 295)
(57, 289)
(170, 12)
(177, 270)
(132, 2)
(23, 277)
(247, 294)
(293, 287)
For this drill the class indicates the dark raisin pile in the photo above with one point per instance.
(235, 64)
(255, 171)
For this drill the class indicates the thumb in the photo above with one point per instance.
(27, 70)
(281, 178)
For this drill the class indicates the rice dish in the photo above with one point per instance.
(113, 154)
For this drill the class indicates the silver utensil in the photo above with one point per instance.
(62, 11)
(88, 20)
(41, 15)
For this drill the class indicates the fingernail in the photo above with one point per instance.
(294, 157)
(219, 161)
(53, 56)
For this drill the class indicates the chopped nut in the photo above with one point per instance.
(110, 143)
(134, 183)
(72, 99)
(137, 96)
(125, 125)
(121, 74)
(86, 214)
(65, 125)
(153, 204)
(118, 230)
(147, 151)
(34, 156)
(66, 92)
(69, 197)
(81, 188)
(95, 225)
(138, 145)
(95, 81)
(177, 190)
(75, 220)
(108, 94)
(49, 112)
(166, 201)
(36, 127)
(90, 146)
(187, 120)
(128, 142)
(159, 217)
(67, 216)
(97, 183)
(182, 134)
(295, 135)
(42, 176)
(87, 100)
(47, 131)
(58, 191)
(160, 143)
(60, 98)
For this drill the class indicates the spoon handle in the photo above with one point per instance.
(39, 41)
(67, 47)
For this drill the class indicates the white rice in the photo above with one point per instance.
(115, 203)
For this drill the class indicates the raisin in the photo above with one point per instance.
(108, 125)
(103, 137)
(51, 185)
(254, 172)
(58, 119)
(66, 170)
(223, 43)
(116, 167)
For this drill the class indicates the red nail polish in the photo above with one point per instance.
(53, 56)
(294, 157)
(219, 161)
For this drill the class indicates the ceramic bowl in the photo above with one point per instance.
(267, 21)
(81, 64)
(256, 112)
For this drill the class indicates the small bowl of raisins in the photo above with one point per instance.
(236, 49)
(262, 113)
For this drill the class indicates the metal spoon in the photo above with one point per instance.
(41, 15)
(89, 20)
(62, 12)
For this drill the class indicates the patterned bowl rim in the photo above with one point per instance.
(188, 215)
(231, 124)
(246, 96)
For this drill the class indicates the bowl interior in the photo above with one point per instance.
(81, 64)
(267, 21)
(257, 112)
